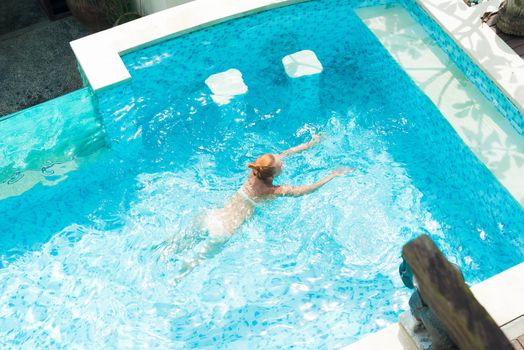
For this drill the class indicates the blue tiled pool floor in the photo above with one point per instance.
(313, 272)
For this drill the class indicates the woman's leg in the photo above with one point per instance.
(206, 250)
(184, 239)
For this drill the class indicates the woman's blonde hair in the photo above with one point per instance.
(264, 167)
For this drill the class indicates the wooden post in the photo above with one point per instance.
(443, 289)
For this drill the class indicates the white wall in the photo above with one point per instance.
(147, 7)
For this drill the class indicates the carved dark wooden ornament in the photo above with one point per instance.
(444, 290)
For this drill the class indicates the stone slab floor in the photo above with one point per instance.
(36, 61)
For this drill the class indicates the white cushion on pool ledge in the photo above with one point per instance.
(226, 85)
(302, 63)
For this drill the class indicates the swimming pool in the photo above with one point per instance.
(78, 268)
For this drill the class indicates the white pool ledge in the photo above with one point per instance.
(99, 54)
(481, 43)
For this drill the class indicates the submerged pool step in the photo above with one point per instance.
(488, 134)
(44, 143)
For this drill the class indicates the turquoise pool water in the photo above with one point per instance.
(42, 144)
(78, 264)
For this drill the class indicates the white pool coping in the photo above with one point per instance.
(481, 43)
(99, 54)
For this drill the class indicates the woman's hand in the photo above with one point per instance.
(342, 171)
(317, 138)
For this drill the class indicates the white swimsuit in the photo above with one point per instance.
(248, 199)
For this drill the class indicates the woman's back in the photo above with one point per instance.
(221, 223)
(229, 218)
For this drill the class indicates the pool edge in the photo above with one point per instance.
(99, 57)
(99, 54)
(464, 26)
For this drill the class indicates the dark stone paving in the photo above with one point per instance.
(17, 14)
(36, 61)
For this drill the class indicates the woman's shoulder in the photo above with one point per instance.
(280, 190)
(261, 191)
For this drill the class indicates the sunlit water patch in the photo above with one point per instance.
(43, 143)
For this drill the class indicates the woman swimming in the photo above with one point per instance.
(220, 224)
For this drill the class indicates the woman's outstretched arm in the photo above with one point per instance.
(314, 140)
(296, 191)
